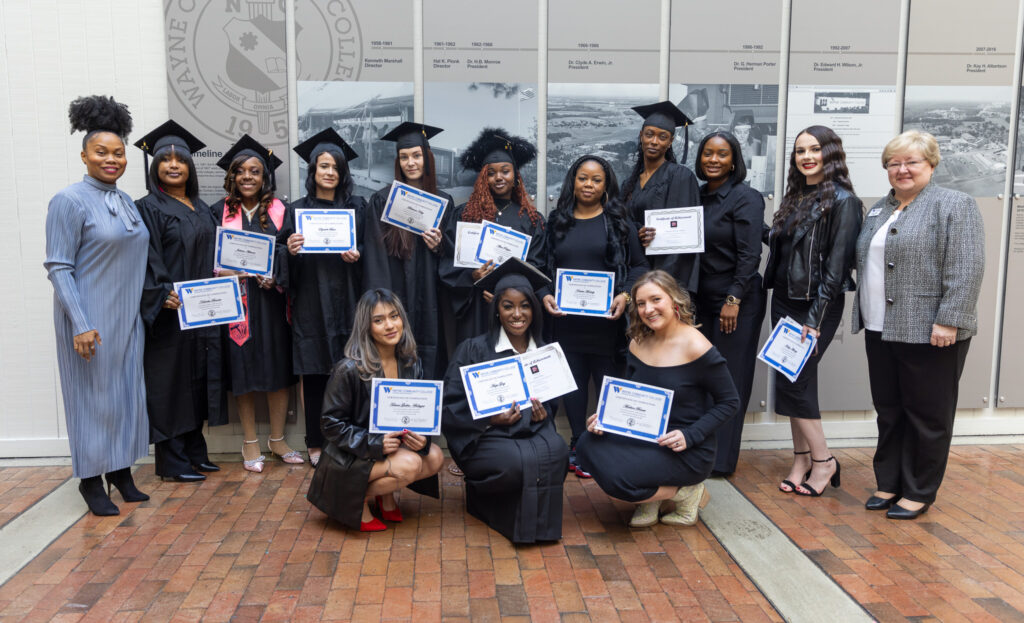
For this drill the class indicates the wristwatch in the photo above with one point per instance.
(731, 300)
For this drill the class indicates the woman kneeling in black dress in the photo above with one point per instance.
(514, 462)
(667, 351)
(356, 465)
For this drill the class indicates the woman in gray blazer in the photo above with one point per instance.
(920, 260)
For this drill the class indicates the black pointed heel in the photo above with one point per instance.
(98, 501)
(122, 479)
(834, 481)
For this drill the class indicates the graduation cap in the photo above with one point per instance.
(311, 148)
(248, 146)
(169, 133)
(496, 145)
(513, 273)
(409, 134)
(666, 116)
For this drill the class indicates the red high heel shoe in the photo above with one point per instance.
(374, 525)
(394, 514)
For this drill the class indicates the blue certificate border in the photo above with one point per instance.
(492, 364)
(351, 214)
(381, 383)
(222, 231)
(508, 230)
(396, 186)
(239, 308)
(563, 272)
(778, 365)
(629, 432)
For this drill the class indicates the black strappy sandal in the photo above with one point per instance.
(789, 483)
(834, 481)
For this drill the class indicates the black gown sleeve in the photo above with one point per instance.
(638, 265)
(376, 272)
(158, 282)
(683, 189)
(845, 220)
(748, 220)
(717, 382)
(344, 402)
(457, 423)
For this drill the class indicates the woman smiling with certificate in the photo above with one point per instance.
(668, 352)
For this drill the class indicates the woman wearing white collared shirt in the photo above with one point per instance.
(514, 462)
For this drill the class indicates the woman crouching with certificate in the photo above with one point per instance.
(665, 351)
(514, 461)
(356, 465)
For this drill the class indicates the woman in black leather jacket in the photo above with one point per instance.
(811, 252)
(356, 465)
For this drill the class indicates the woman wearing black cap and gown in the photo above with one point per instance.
(499, 196)
(398, 260)
(515, 462)
(259, 349)
(657, 182)
(323, 287)
(184, 369)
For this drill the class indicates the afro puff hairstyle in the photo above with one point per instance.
(99, 113)
(496, 139)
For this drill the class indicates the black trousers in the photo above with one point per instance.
(177, 455)
(584, 368)
(914, 388)
(740, 351)
(313, 387)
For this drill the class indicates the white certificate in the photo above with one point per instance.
(326, 231)
(467, 239)
(677, 230)
(397, 404)
(498, 243)
(784, 351)
(547, 372)
(584, 292)
(208, 302)
(633, 409)
(494, 386)
(410, 208)
(244, 251)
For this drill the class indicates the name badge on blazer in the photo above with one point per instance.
(874, 212)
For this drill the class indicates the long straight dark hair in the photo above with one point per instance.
(833, 165)
(399, 242)
(165, 153)
(345, 183)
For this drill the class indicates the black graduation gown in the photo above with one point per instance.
(671, 186)
(415, 281)
(184, 370)
(467, 300)
(323, 290)
(514, 474)
(263, 363)
(339, 484)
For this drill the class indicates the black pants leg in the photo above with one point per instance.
(177, 455)
(584, 368)
(313, 387)
(915, 388)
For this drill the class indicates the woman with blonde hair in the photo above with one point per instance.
(665, 350)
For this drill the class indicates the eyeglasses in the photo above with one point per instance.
(910, 164)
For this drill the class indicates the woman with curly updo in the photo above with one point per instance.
(499, 196)
(96, 246)
(260, 349)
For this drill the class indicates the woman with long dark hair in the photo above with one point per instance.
(514, 462)
(811, 246)
(323, 287)
(657, 182)
(398, 260)
(259, 351)
(359, 466)
(589, 230)
(184, 370)
(498, 196)
(730, 301)
(96, 260)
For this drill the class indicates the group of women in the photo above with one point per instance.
(686, 322)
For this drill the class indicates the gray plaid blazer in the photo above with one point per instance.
(934, 262)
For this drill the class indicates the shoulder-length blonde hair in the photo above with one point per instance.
(362, 349)
(680, 302)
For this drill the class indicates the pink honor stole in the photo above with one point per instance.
(239, 331)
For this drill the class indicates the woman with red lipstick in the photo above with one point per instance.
(811, 253)
(358, 466)
(589, 230)
(260, 349)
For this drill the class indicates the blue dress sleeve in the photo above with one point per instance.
(65, 220)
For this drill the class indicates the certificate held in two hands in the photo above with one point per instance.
(245, 252)
(492, 387)
(209, 302)
(413, 209)
(401, 404)
(677, 230)
(478, 243)
(633, 409)
(326, 231)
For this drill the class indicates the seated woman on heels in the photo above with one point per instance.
(356, 465)
(667, 351)
(515, 463)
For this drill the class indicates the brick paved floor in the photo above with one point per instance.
(21, 487)
(961, 561)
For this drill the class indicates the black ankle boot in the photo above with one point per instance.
(97, 499)
(122, 479)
